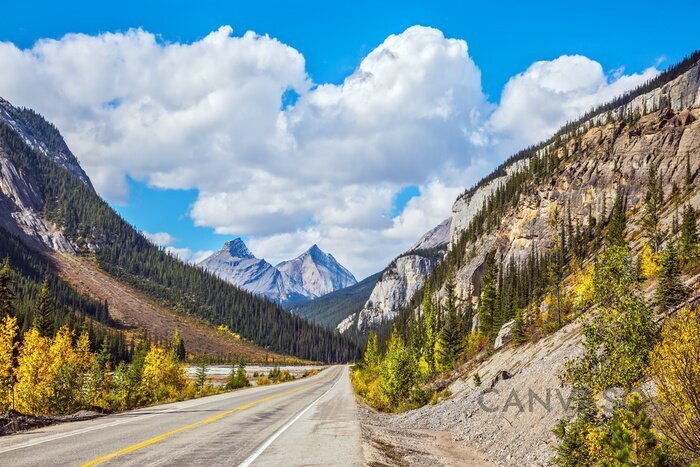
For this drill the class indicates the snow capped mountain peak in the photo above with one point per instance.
(318, 272)
(309, 275)
(237, 248)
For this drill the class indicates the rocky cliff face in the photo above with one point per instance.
(310, 275)
(234, 263)
(42, 136)
(317, 272)
(21, 203)
(400, 280)
(610, 154)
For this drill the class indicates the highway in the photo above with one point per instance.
(311, 421)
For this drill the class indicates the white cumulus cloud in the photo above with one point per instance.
(208, 115)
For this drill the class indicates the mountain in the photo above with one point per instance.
(330, 309)
(310, 275)
(317, 272)
(542, 224)
(234, 263)
(400, 280)
(107, 276)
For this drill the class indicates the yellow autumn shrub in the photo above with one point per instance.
(8, 332)
(650, 262)
(675, 364)
(163, 377)
(34, 387)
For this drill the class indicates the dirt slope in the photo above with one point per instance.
(135, 312)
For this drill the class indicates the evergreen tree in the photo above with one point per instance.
(467, 315)
(689, 234)
(398, 370)
(489, 296)
(177, 346)
(45, 312)
(429, 327)
(7, 293)
(670, 290)
(450, 340)
(616, 227)
(200, 378)
(653, 206)
(631, 439)
(519, 331)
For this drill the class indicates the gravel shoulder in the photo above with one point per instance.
(384, 444)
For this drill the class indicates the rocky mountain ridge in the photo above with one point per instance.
(673, 103)
(310, 275)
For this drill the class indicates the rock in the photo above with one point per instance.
(504, 335)
(500, 376)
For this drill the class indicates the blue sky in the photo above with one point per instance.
(504, 39)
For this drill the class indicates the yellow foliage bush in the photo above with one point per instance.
(650, 262)
(264, 381)
(8, 331)
(675, 365)
(34, 387)
(582, 286)
(163, 377)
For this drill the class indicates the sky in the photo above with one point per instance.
(353, 126)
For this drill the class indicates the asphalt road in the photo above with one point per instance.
(312, 421)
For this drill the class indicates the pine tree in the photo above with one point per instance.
(670, 291)
(617, 225)
(450, 340)
(631, 439)
(200, 378)
(44, 315)
(653, 206)
(398, 370)
(519, 331)
(489, 296)
(689, 234)
(429, 328)
(7, 294)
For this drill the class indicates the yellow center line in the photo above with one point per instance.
(161, 437)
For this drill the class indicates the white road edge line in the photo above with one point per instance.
(271, 439)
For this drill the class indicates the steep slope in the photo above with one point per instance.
(132, 311)
(330, 309)
(317, 272)
(400, 280)
(559, 198)
(234, 263)
(51, 206)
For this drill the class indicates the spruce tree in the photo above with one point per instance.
(519, 331)
(670, 291)
(689, 234)
(616, 227)
(653, 206)
(450, 340)
(489, 296)
(200, 378)
(7, 293)
(631, 438)
(44, 315)
(429, 327)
